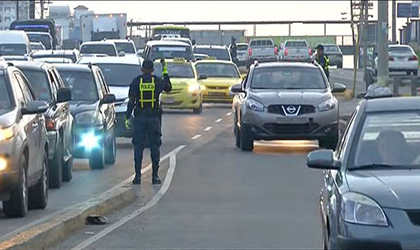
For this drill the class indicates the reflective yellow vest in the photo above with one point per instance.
(147, 88)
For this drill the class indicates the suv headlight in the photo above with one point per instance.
(360, 209)
(327, 105)
(254, 105)
(193, 87)
(6, 133)
(89, 117)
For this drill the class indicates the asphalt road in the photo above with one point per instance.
(217, 197)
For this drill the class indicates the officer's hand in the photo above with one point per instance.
(164, 66)
(127, 124)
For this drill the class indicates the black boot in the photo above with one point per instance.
(156, 180)
(137, 180)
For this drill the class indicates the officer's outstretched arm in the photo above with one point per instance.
(167, 85)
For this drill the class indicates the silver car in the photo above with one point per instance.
(286, 101)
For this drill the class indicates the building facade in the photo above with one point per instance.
(11, 10)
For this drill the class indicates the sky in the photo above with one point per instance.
(237, 11)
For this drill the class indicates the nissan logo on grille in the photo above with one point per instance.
(291, 110)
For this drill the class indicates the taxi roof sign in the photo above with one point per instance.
(179, 60)
(211, 58)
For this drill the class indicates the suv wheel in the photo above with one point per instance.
(56, 166)
(38, 195)
(111, 151)
(97, 158)
(198, 110)
(17, 205)
(247, 140)
(329, 142)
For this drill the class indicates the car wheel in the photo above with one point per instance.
(238, 138)
(17, 205)
(38, 195)
(415, 72)
(198, 110)
(56, 166)
(340, 65)
(408, 73)
(329, 143)
(247, 140)
(68, 166)
(111, 151)
(97, 158)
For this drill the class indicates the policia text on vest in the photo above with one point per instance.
(144, 100)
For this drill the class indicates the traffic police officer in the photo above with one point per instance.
(144, 99)
(322, 59)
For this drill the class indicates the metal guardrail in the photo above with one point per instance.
(402, 85)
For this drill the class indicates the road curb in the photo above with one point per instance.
(54, 230)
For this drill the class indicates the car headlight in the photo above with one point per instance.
(254, 105)
(360, 209)
(89, 117)
(193, 88)
(90, 141)
(327, 105)
(6, 133)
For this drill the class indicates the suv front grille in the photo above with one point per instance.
(280, 109)
(414, 216)
(291, 128)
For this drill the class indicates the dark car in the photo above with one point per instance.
(23, 145)
(48, 86)
(74, 54)
(334, 54)
(370, 198)
(92, 107)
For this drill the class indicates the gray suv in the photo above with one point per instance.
(285, 101)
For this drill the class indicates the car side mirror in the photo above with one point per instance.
(243, 76)
(322, 159)
(339, 88)
(122, 53)
(63, 95)
(202, 77)
(109, 98)
(35, 107)
(237, 88)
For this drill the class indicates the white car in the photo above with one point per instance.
(119, 72)
(102, 47)
(124, 45)
(402, 58)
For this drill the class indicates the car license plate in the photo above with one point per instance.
(216, 94)
(168, 100)
(291, 120)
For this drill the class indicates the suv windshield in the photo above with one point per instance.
(106, 49)
(219, 54)
(126, 47)
(119, 74)
(287, 78)
(13, 49)
(391, 138)
(40, 84)
(82, 85)
(55, 55)
(242, 47)
(331, 48)
(176, 70)
(217, 70)
(45, 39)
(171, 52)
(5, 101)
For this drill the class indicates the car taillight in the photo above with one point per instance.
(50, 124)
(310, 52)
(276, 51)
(250, 52)
(413, 58)
(286, 52)
(391, 58)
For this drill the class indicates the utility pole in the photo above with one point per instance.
(42, 8)
(17, 10)
(31, 9)
(394, 20)
(352, 33)
(383, 70)
(365, 18)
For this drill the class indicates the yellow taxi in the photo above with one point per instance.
(186, 92)
(217, 77)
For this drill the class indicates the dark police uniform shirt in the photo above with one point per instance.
(134, 95)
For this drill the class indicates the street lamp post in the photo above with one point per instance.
(383, 64)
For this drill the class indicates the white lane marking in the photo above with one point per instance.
(207, 129)
(229, 114)
(152, 203)
(196, 137)
(219, 120)
(63, 211)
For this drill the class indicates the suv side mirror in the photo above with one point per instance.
(322, 159)
(35, 107)
(202, 77)
(237, 88)
(122, 53)
(63, 95)
(109, 98)
(338, 88)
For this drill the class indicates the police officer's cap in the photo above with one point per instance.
(147, 64)
(320, 47)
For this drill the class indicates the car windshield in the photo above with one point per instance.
(171, 52)
(119, 74)
(176, 70)
(40, 84)
(219, 54)
(82, 85)
(105, 49)
(298, 44)
(126, 47)
(400, 49)
(36, 46)
(217, 70)
(45, 39)
(287, 78)
(329, 49)
(54, 55)
(390, 138)
(5, 100)
(13, 49)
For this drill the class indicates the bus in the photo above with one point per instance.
(170, 31)
(37, 25)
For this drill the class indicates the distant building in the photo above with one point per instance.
(8, 12)
(75, 29)
(62, 17)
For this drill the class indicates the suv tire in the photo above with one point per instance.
(97, 158)
(17, 205)
(56, 166)
(111, 151)
(198, 110)
(38, 195)
(247, 140)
